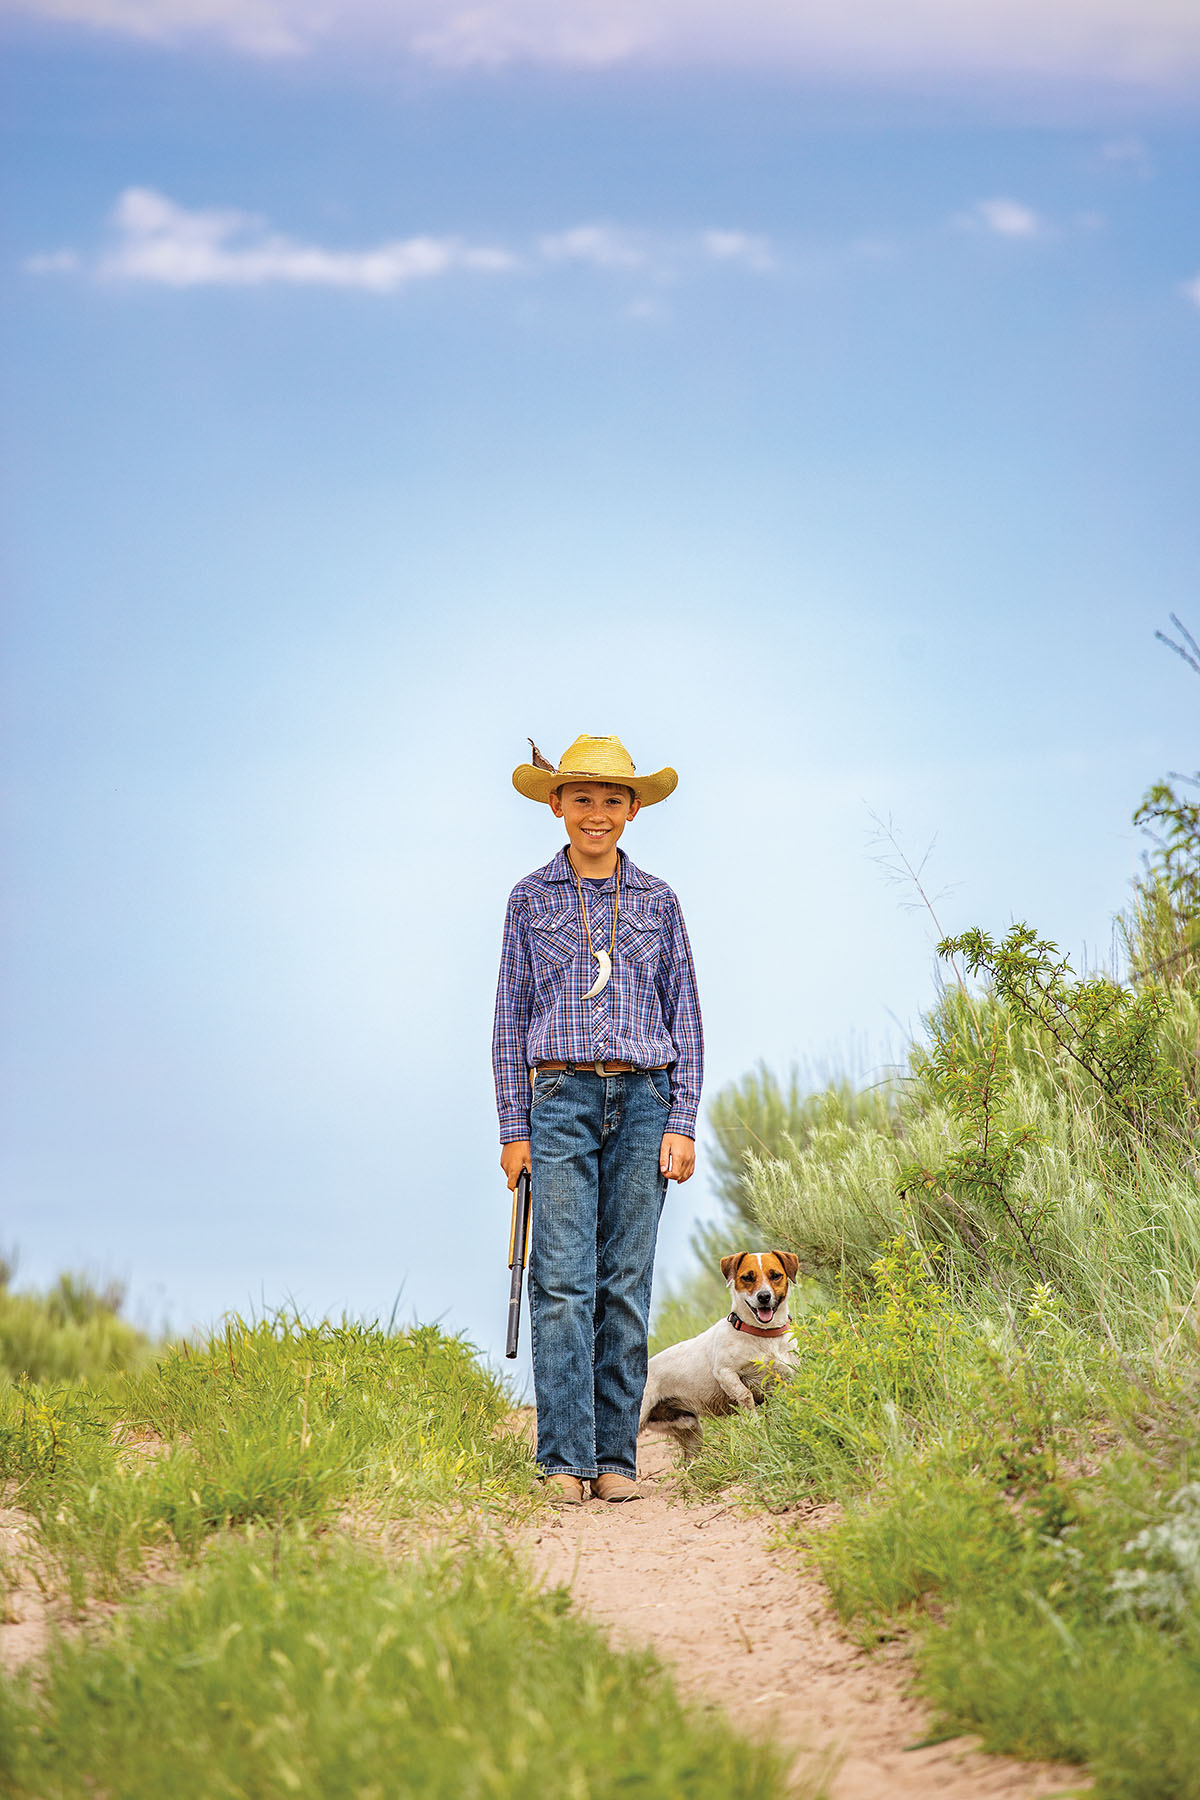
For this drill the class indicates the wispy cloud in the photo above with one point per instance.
(1149, 43)
(1128, 152)
(153, 239)
(156, 240)
(53, 262)
(1004, 218)
(604, 246)
(738, 247)
(1192, 290)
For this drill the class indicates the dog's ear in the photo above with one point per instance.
(790, 1262)
(730, 1263)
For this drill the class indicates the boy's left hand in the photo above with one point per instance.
(677, 1158)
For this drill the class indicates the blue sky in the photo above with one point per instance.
(813, 408)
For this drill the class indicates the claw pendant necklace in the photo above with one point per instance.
(603, 958)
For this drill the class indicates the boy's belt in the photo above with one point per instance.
(603, 1068)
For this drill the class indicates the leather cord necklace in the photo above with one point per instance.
(603, 958)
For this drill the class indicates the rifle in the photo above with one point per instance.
(518, 1256)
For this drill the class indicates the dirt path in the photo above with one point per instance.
(25, 1615)
(746, 1630)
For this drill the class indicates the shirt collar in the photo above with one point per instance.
(559, 869)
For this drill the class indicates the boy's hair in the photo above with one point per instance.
(578, 781)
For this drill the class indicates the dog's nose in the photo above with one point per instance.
(764, 1297)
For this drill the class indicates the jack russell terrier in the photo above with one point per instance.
(725, 1365)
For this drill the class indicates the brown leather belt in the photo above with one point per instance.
(601, 1068)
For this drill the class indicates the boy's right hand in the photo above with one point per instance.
(514, 1158)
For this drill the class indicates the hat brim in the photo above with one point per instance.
(539, 784)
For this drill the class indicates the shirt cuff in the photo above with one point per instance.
(682, 1121)
(514, 1128)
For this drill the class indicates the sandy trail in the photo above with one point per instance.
(746, 1629)
(26, 1615)
(743, 1626)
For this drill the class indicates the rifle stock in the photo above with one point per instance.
(518, 1256)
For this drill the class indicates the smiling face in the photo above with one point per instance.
(759, 1282)
(595, 814)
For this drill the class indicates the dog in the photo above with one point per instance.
(723, 1367)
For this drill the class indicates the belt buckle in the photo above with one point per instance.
(600, 1069)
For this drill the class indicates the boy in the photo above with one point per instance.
(598, 1055)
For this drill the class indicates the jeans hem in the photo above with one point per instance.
(579, 1474)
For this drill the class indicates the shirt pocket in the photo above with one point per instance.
(554, 936)
(638, 935)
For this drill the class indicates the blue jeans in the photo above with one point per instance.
(597, 1199)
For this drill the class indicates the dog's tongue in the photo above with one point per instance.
(765, 1314)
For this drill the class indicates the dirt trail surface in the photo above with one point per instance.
(746, 1629)
(25, 1615)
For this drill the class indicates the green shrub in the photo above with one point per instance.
(73, 1333)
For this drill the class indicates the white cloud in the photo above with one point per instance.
(1148, 43)
(604, 246)
(158, 241)
(154, 239)
(738, 247)
(1005, 218)
(1192, 290)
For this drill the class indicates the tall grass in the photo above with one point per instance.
(73, 1332)
(1118, 1224)
(1000, 1381)
(272, 1421)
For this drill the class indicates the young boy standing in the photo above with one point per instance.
(598, 1054)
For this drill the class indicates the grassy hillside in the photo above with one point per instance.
(1001, 1375)
(335, 1613)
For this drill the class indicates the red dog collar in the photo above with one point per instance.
(757, 1330)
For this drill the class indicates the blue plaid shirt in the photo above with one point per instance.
(648, 1014)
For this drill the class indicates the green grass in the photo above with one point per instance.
(274, 1422)
(1000, 1384)
(284, 1667)
(72, 1333)
(277, 1478)
(1018, 1498)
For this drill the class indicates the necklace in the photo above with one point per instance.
(603, 958)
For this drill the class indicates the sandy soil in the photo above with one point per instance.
(746, 1629)
(26, 1616)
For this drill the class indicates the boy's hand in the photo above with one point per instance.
(677, 1158)
(514, 1158)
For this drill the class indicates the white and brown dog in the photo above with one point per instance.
(724, 1367)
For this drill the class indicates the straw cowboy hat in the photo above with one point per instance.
(591, 759)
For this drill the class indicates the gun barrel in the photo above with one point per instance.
(518, 1255)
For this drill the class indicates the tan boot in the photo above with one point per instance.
(564, 1490)
(615, 1487)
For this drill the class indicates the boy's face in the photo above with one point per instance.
(595, 814)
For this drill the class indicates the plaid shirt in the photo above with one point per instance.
(648, 1014)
